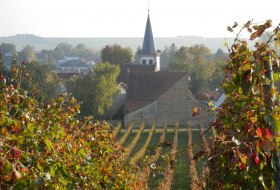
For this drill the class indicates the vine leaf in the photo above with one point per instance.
(195, 111)
(229, 29)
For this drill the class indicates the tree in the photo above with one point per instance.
(197, 62)
(63, 49)
(117, 55)
(28, 54)
(48, 56)
(45, 146)
(182, 60)
(245, 151)
(7, 48)
(40, 80)
(96, 90)
(167, 55)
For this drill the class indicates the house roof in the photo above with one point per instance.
(127, 68)
(73, 63)
(148, 43)
(146, 87)
(67, 75)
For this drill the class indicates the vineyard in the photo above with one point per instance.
(166, 154)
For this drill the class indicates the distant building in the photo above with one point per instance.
(152, 95)
(72, 67)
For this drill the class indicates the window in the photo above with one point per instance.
(150, 61)
(144, 62)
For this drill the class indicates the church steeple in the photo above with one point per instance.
(149, 54)
(148, 43)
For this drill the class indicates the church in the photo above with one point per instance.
(151, 94)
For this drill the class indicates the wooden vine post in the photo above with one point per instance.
(269, 99)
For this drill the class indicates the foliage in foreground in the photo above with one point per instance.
(47, 147)
(244, 151)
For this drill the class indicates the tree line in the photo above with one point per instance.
(204, 68)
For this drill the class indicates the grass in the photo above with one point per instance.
(154, 142)
(141, 141)
(157, 176)
(130, 137)
(180, 179)
(198, 146)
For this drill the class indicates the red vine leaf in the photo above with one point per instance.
(267, 133)
(259, 132)
(257, 160)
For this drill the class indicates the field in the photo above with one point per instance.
(165, 154)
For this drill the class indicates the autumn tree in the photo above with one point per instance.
(245, 152)
(45, 146)
(96, 90)
(117, 55)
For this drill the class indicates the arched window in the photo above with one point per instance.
(150, 61)
(144, 62)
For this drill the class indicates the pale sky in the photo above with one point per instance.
(127, 18)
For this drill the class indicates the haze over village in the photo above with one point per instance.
(139, 94)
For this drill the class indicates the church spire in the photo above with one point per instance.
(148, 43)
(149, 54)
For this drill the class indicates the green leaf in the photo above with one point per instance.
(240, 91)
(41, 168)
(266, 58)
(276, 124)
(275, 76)
(48, 143)
(20, 185)
(7, 167)
(262, 165)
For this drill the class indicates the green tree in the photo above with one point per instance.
(244, 152)
(96, 90)
(7, 48)
(63, 49)
(195, 60)
(182, 60)
(117, 55)
(167, 55)
(28, 54)
(48, 56)
(41, 80)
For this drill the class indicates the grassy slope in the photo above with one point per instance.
(155, 140)
(180, 179)
(141, 141)
(130, 137)
(196, 148)
(156, 179)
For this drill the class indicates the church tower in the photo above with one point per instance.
(149, 54)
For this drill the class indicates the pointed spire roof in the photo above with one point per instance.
(148, 44)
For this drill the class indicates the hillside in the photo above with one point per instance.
(40, 43)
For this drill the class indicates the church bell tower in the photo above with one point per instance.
(149, 54)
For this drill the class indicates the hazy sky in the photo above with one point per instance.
(127, 18)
